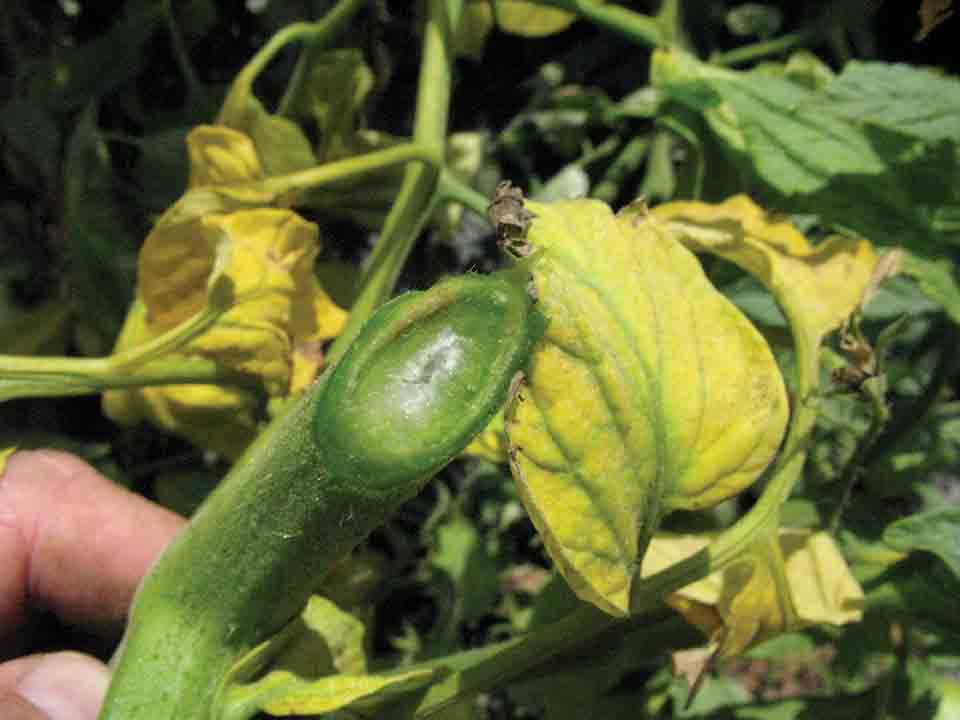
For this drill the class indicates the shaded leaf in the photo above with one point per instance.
(90, 71)
(936, 531)
(937, 279)
(100, 251)
(631, 408)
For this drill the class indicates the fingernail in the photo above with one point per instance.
(66, 686)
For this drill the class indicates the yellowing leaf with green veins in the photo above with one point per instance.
(818, 286)
(649, 392)
(745, 603)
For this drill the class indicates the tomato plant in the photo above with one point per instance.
(628, 332)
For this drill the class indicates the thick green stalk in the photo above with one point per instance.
(428, 372)
(418, 191)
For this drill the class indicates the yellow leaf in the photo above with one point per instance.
(817, 286)
(4, 456)
(211, 417)
(330, 641)
(650, 391)
(747, 603)
(517, 17)
(491, 444)
(290, 696)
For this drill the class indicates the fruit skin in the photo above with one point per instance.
(425, 375)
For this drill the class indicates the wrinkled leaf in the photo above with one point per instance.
(745, 604)
(649, 392)
(909, 100)
(219, 232)
(936, 531)
(794, 145)
(817, 286)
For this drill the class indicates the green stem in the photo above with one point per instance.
(418, 190)
(318, 34)
(453, 189)
(145, 364)
(337, 18)
(347, 168)
(766, 48)
(196, 88)
(641, 29)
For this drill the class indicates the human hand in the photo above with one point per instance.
(75, 543)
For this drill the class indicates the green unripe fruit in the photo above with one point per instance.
(426, 373)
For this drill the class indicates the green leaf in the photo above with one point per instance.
(90, 71)
(649, 392)
(912, 101)
(461, 554)
(30, 128)
(937, 279)
(936, 531)
(102, 254)
(794, 146)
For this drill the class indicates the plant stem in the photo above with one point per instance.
(418, 190)
(347, 168)
(145, 364)
(641, 29)
(196, 89)
(318, 34)
(337, 18)
(453, 189)
(766, 48)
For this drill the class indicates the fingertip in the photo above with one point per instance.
(60, 686)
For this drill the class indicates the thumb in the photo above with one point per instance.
(55, 686)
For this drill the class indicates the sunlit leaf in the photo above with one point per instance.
(512, 16)
(817, 286)
(746, 603)
(650, 391)
(794, 145)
